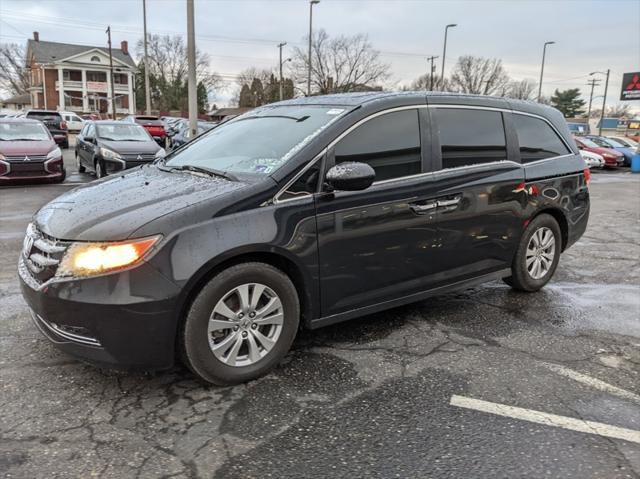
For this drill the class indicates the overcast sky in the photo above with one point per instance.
(589, 35)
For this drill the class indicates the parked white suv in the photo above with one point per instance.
(74, 122)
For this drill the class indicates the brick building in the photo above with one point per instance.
(76, 78)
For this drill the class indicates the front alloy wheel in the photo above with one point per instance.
(245, 324)
(241, 324)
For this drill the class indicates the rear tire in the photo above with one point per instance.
(537, 256)
(227, 339)
(81, 169)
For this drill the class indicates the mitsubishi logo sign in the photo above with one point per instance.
(630, 87)
(139, 157)
(26, 158)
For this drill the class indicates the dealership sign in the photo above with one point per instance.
(630, 86)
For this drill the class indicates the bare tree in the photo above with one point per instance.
(481, 76)
(14, 74)
(522, 89)
(619, 110)
(168, 69)
(423, 82)
(340, 64)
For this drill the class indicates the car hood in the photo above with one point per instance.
(627, 152)
(604, 151)
(131, 147)
(19, 148)
(113, 208)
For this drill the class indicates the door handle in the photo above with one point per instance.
(423, 208)
(452, 202)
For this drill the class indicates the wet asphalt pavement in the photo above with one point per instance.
(367, 398)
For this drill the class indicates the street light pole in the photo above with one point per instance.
(604, 98)
(544, 52)
(311, 4)
(431, 72)
(191, 59)
(444, 50)
(147, 92)
(280, 45)
(113, 96)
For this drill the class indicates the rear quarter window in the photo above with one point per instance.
(537, 140)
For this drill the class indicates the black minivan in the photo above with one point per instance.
(303, 213)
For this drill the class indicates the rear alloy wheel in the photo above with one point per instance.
(241, 324)
(537, 256)
(81, 169)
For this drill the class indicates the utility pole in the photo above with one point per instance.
(191, 59)
(433, 69)
(147, 92)
(311, 4)
(113, 96)
(280, 45)
(444, 50)
(604, 98)
(594, 82)
(544, 51)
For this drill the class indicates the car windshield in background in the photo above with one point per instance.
(589, 143)
(44, 116)
(123, 132)
(258, 142)
(614, 143)
(23, 131)
(148, 120)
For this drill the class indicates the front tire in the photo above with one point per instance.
(101, 172)
(537, 256)
(81, 169)
(241, 324)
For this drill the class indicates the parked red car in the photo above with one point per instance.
(28, 152)
(152, 124)
(612, 158)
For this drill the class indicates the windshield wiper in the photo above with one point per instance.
(208, 171)
(23, 139)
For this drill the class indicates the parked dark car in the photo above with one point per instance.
(183, 135)
(28, 152)
(152, 124)
(612, 158)
(106, 147)
(303, 213)
(605, 142)
(54, 123)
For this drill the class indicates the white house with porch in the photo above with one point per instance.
(68, 77)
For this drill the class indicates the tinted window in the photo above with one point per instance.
(44, 115)
(537, 139)
(305, 185)
(471, 137)
(389, 143)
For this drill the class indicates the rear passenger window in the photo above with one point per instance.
(390, 144)
(471, 137)
(537, 139)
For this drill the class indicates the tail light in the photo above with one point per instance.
(587, 176)
(63, 125)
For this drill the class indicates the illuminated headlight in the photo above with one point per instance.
(53, 154)
(161, 153)
(89, 259)
(109, 154)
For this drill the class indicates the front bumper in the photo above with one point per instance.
(123, 320)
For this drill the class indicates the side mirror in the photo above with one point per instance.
(350, 176)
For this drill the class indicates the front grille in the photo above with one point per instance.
(27, 166)
(26, 158)
(41, 254)
(141, 158)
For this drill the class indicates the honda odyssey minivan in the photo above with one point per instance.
(303, 213)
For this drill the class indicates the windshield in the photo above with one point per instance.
(614, 143)
(588, 143)
(23, 131)
(258, 142)
(44, 115)
(123, 132)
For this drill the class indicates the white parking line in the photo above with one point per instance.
(539, 417)
(593, 382)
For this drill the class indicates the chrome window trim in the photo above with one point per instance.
(276, 199)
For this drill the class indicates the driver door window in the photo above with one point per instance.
(389, 143)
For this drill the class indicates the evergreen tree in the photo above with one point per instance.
(568, 102)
